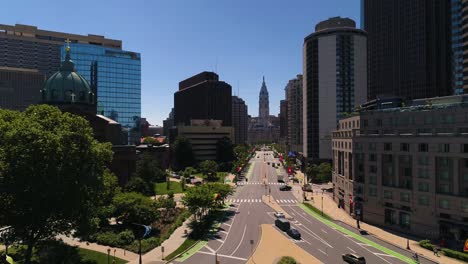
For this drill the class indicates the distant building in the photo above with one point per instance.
(465, 45)
(406, 167)
(334, 82)
(20, 88)
(283, 118)
(70, 92)
(263, 104)
(114, 75)
(168, 123)
(409, 47)
(204, 136)
(294, 105)
(456, 45)
(203, 96)
(239, 120)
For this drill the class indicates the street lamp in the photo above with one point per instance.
(322, 202)
(108, 256)
(145, 234)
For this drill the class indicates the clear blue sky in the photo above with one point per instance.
(246, 39)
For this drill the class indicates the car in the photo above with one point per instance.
(307, 188)
(353, 258)
(294, 233)
(279, 215)
(285, 188)
(283, 224)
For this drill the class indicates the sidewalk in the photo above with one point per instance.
(331, 209)
(170, 245)
(120, 253)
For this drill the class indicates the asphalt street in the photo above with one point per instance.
(232, 242)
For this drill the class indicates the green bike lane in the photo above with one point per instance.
(361, 240)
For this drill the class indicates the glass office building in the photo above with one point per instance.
(116, 77)
(457, 46)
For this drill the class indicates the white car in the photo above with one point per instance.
(279, 215)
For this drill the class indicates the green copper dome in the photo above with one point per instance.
(67, 86)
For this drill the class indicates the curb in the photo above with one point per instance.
(183, 252)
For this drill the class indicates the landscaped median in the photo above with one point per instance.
(328, 221)
(447, 252)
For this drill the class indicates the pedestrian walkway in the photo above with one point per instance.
(279, 201)
(170, 245)
(256, 183)
(331, 209)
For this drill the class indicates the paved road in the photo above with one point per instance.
(247, 213)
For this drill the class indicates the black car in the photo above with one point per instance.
(285, 188)
(294, 233)
(353, 258)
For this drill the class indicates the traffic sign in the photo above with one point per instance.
(465, 248)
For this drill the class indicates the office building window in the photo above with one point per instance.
(405, 220)
(423, 173)
(404, 147)
(387, 194)
(428, 120)
(444, 148)
(390, 217)
(464, 206)
(423, 200)
(372, 157)
(444, 204)
(372, 146)
(373, 169)
(404, 197)
(423, 147)
(372, 191)
(423, 160)
(387, 146)
(423, 187)
(464, 148)
(372, 179)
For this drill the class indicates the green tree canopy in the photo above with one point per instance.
(225, 150)
(319, 173)
(209, 169)
(147, 168)
(137, 184)
(134, 208)
(183, 153)
(51, 172)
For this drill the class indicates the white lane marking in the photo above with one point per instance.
(324, 231)
(248, 200)
(224, 256)
(240, 242)
(322, 251)
(277, 201)
(293, 214)
(227, 224)
(224, 232)
(222, 241)
(351, 249)
(210, 249)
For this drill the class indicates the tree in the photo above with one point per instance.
(149, 140)
(183, 153)
(311, 172)
(148, 169)
(168, 183)
(223, 190)
(209, 169)
(324, 171)
(198, 200)
(51, 172)
(134, 208)
(224, 150)
(137, 184)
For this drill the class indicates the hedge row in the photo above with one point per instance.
(447, 252)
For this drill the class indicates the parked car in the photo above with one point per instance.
(307, 188)
(279, 215)
(175, 175)
(353, 258)
(285, 188)
(294, 233)
(282, 224)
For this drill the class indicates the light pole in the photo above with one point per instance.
(322, 203)
(108, 256)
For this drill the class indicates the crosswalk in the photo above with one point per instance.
(279, 201)
(253, 183)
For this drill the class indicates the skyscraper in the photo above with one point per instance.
(263, 104)
(114, 75)
(203, 97)
(465, 44)
(408, 48)
(294, 99)
(239, 120)
(334, 83)
(457, 46)
(283, 116)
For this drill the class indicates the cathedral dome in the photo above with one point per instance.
(67, 86)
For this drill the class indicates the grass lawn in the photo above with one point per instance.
(98, 257)
(161, 188)
(221, 176)
(187, 243)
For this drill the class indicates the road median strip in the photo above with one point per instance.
(355, 236)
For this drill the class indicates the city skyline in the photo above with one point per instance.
(163, 34)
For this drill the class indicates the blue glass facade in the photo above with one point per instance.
(116, 76)
(457, 46)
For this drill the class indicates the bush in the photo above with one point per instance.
(126, 237)
(108, 239)
(287, 260)
(447, 252)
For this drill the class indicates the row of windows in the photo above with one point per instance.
(406, 147)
